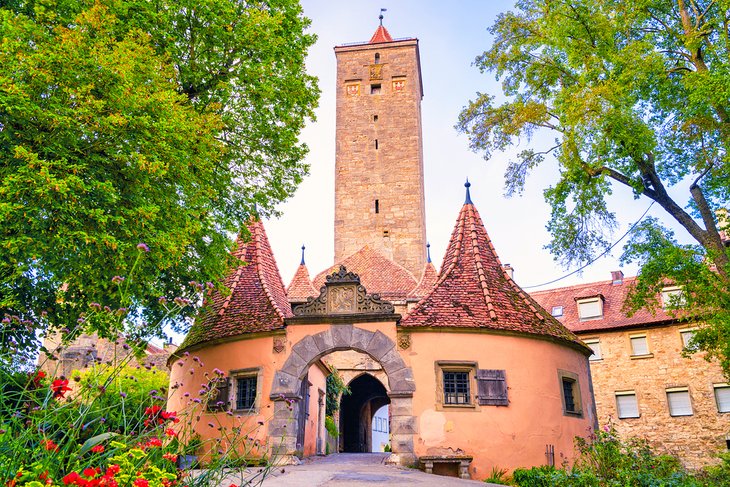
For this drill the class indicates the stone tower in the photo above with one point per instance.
(379, 197)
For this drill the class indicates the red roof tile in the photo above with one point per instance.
(474, 291)
(257, 301)
(301, 287)
(378, 274)
(614, 296)
(427, 282)
(381, 35)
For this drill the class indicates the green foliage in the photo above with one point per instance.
(498, 476)
(331, 427)
(129, 121)
(336, 387)
(636, 96)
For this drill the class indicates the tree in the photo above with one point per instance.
(128, 125)
(636, 95)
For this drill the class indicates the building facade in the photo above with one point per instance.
(646, 384)
(475, 374)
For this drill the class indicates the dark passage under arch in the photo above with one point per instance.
(357, 410)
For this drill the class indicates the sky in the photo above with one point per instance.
(450, 36)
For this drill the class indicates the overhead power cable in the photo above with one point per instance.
(596, 258)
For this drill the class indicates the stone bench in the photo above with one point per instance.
(461, 461)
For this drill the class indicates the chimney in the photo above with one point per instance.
(617, 278)
(509, 270)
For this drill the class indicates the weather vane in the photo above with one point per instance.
(381, 15)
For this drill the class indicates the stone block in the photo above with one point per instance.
(295, 365)
(324, 341)
(402, 380)
(342, 336)
(284, 384)
(403, 425)
(392, 362)
(401, 406)
(361, 338)
(307, 349)
(380, 345)
(401, 443)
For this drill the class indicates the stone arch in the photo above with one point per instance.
(370, 373)
(287, 380)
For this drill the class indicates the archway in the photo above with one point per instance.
(287, 382)
(357, 409)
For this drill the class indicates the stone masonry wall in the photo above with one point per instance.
(694, 439)
(380, 104)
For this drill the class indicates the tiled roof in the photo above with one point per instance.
(614, 296)
(474, 291)
(300, 287)
(381, 35)
(378, 274)
(257, 301)
(427, 282)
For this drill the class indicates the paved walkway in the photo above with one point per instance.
(357, 470)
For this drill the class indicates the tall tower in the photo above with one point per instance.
(379, 198)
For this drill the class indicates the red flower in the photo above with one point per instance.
(152, 410)
(60, 388)
(170, 456)
(170, 432)
(90, 472)
(49, 445)
(97, 449)
(112, 470)
(141, 483)
(72, 478)
(170, 415)
(153, 442)
(38, 377)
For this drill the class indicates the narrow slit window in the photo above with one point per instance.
(377, 206)
(376, 144)
(375, 118)
(377, 58)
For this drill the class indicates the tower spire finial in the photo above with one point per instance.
(381, 15)
(428, 252)
(302, 262)
(467, 185)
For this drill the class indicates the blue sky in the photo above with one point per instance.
(450, 36)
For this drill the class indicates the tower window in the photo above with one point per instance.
(376, 144)
(375, 89)
(386, 233)
(377, 206)
(375, 118)
(377, 58)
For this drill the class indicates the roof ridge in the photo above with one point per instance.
(586, 284)
(262, 275)
(478, 264)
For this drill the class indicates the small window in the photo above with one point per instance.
(595, 345)
(672, 297)
(687, 339)
(386, 233)
(626, 405)
(375, 118)
(557, 311)
(218, 400)
(722, 397)
(246, 392)
(679, 402)
(377, 58)
(376, 144)
(639, 345)
(377, 206)
(570, 393)
(456, 388)
(375, 89)
(590, 309)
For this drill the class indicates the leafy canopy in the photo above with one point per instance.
(129, 121)
(636, 94)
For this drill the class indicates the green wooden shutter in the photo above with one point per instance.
(492, 387)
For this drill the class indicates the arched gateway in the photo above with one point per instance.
(342, 304)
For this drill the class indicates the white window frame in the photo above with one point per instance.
(636, 402)
(581, 303)
(679, 390)
(634, 336)
(667, 294)
(686, 331)
(557, 311)
(594, 341)
(725, 387)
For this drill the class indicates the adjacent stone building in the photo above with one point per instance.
(476, 374)
(644, 384)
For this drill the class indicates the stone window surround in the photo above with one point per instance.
(679, 389)
(577, 398)
(257, 372)
(470, 367)
(645, 336)
(597, 340)
(715, 387)
(636, 399)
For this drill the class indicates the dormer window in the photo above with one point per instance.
(590, 308)
(557, 311)
(672, 297)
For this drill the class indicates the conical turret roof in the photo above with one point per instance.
(428, 281)
(257, 301)
(474, 291)
(300, 288)
(381, 35)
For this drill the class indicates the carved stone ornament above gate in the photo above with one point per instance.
(342, 294)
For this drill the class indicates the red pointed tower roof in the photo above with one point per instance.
(381, 35)
(474, 291)
(378, 274)
(257, 301)
(428, 279)
(300, 288)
